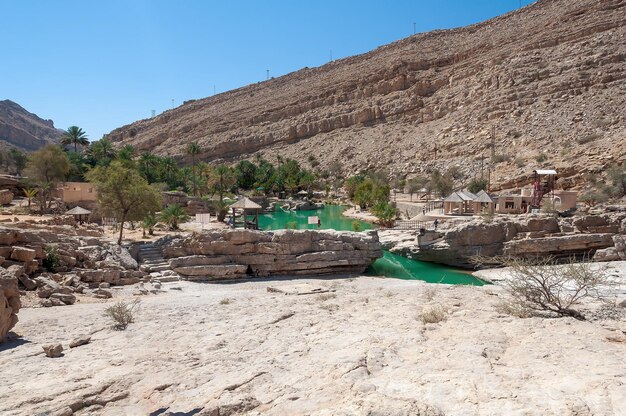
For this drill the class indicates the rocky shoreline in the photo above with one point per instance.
(598, 237)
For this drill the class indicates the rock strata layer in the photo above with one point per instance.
(234, 254)
(548, 78)
(600, 237)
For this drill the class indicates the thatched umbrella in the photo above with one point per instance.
(79, 213)
(247, 207)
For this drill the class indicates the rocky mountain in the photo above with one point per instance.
(23, 130)
(544, 86)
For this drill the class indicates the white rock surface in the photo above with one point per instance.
(357, 350)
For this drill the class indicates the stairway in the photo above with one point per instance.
(151, 261)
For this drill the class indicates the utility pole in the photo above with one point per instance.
(331, 55)
(493, 141)
(213, 89)
(268, 73)
(413, 27)
(172, 103)
(435, 158)
(482, 167)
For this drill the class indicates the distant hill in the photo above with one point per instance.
(23, 130)
(543, 86)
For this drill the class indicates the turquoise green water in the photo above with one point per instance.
(390, 265)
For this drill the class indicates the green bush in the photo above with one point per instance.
(52, 260)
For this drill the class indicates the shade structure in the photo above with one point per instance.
(454, 197)
(246, 203)
(78, 211)
(484, 197)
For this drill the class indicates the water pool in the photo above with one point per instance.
(390, 265)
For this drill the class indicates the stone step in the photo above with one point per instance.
(156, 261)
(154, 251)
(160, 268)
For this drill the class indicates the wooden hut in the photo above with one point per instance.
(248, 213)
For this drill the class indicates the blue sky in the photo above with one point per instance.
(103, 64)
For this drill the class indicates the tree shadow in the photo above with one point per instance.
(12, 341)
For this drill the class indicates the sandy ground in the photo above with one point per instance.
(359, 214)
(360, 349)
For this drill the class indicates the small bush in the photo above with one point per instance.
(520, 162)
(430, 293)
(588, 138)
(356, 226)
(292, 225)
(122, 313)
(500, 158)
(432, 314)
(225, 301)
(52, 260)
(541, 157)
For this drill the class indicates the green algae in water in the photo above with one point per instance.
(390, 265)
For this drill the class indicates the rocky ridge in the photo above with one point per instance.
(23, 130)
(549, 79)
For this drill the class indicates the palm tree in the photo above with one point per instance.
(76, 136)
(193, 149)
(126, 153)
(101, 151)
(147, 163)
(30, 193)
(173, 215)
(148, 223)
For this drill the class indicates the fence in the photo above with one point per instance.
(412, 225)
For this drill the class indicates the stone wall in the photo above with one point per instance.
(234, 254)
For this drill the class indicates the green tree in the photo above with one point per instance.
(78, 167)
(148, 164)
(246, 174)
(617, 176)
(221, 180)
(47, 167)
(477, 185)
(352, 183)
(75, 136)
(442, 184)
(386, 213)
(371, 192)
(17, 160)
(173, 215)
(127, 152)
(414, 185)
(123, 193)
(101, 152)
(193, 149)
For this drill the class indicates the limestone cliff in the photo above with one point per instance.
(24, 130)
(549, 81)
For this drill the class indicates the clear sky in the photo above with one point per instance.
(100, 64)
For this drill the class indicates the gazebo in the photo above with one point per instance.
(456, 199)
(483, 200)
(246, 207)
(80, 214)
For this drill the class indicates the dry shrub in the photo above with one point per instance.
(432, 314)
(326, 296)
(225, 301)
(430, 293)
(540, 285)
(122, 313)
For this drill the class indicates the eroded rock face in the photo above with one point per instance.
(521, 236)
(9, 303)
(232, 254)
(543, 77)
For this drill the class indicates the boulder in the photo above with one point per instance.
(102, 294)
(9, 304)
(23, 254)
(82, 340)
(66, 298)
(53, 350)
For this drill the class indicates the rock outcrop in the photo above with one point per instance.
(233, 254)
(549, 78)
(518, 236)
(25, 130)
(9, 302)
